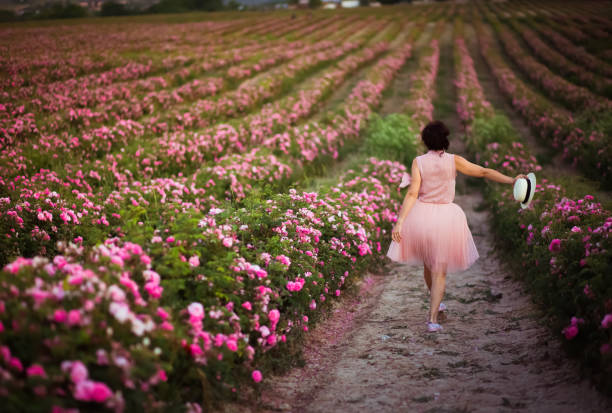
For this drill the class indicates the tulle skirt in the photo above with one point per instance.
(436, 235)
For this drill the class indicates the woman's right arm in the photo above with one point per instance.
(471, 169)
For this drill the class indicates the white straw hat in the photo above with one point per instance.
(524, 189)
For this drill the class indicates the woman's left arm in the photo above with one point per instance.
(409, 200)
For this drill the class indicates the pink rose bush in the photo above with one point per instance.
(561, 245)
(104, 312)
(560, 63)
(574, 96)
(581, 139)
(133, 315)
(576, 53)
(152, 250)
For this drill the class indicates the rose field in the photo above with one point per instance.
(190, 204)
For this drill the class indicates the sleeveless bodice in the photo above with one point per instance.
(438, 174)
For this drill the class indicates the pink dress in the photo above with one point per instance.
(435, 232)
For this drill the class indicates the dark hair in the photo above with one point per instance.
(435, 135)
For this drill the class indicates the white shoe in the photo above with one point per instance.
(433, 327)
(442, 307)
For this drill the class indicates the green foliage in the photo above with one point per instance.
(112, 8)
(7, 15)
(61, 11)
(232, 5)
(598, 130)
(495, 129)
(315, 4)
(393, 137)
(178, 6)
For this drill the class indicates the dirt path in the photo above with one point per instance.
(399, 90)
(373, 354)
(492, 355)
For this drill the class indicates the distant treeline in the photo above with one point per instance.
(112, 8)
(61, 10)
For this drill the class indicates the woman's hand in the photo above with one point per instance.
(519, 176)
(395, 235)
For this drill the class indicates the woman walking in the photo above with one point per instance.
(431, 229)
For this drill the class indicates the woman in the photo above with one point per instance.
(431, 229)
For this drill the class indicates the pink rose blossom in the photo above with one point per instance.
(256, 375)
(78, 372)
(196, 310)
(271, 340)
(555, 245)
(195, 349)
(232, 345)
(15, 363)
(274, 315)
(194, 261)
(570, 331)
(607, 321)
(265, 331)
(60, 316)
(74, 317)
(88, 390)
(36, 370)
(162, 313)
(166, 326)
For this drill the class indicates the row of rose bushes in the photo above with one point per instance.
(562, 65)
(557, 87)
(17, 115)
(96, 88)
(48, 206)
(574, 52)
(134, 353)
(561, 245)
(39, 56)
(83, 101)
(249, 268)
(181, 316)
(244, 61)
(44, 55)
(23, 124)
(175, 151)
(573, 15)
(119, 102)
(583, 141)
(101, 140)
(591, 30)
(589, 37)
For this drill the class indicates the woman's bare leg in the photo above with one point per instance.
(437, 291)
(427, 276)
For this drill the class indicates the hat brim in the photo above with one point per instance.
(532, 180)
